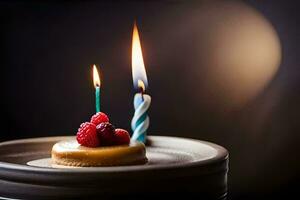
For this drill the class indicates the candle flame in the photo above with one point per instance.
(138, 67)
(141, 85)
(96, 78)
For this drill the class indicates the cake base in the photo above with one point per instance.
(176, 166)
(70, 153)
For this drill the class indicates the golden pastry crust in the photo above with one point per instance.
(70, 153)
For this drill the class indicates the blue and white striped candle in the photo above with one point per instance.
(140, 121)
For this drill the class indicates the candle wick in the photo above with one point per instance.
(142, 93)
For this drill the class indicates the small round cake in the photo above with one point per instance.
(99, 143)
(71, 153)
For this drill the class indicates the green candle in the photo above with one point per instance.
(97, 85)
(97, 99)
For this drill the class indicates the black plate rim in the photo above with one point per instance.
(222, 155)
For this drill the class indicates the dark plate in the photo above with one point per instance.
(183, 166)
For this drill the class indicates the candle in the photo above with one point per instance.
(140, 121)
(97, 94)
(97, 85)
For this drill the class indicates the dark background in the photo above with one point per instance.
(47, 49)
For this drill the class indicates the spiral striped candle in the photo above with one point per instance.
(140, 121)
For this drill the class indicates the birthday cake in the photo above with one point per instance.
(98, 143)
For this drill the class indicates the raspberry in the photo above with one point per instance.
(122, 136)
(99, 118)
(87, 135)
(106, 133)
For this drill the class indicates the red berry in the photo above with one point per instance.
(87, 135)
(106, 133)
(122, 136)
(99, 118)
